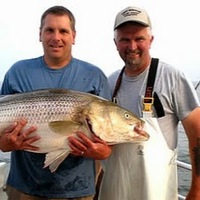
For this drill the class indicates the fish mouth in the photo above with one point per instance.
(140, 132)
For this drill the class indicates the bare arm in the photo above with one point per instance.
(12, 138)
(191, 125)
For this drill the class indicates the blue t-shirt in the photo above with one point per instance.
(75, 177)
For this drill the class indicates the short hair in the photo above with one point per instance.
(60, 11)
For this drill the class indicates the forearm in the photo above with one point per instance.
(192, 128)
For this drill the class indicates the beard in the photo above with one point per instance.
(133, 59)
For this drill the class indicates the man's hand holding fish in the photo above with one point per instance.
(84, 146)
(12, 138)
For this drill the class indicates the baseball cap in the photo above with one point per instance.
(133, 14)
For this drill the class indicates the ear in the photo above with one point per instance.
(40, 39)
(151, 40)
(74, 36)
(115, 43)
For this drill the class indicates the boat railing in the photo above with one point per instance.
(185, 166)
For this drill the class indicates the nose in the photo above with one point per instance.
(133, 45)
(56, 36)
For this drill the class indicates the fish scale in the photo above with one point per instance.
(45, 108)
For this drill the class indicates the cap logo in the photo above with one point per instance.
(130, 12)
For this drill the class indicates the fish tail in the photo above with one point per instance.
(54, 158)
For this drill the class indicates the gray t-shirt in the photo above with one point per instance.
(175, 91)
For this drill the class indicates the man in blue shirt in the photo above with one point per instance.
(75, 177)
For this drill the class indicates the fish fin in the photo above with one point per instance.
(64, 127)
(55, 158)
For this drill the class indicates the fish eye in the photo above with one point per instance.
(127, 115)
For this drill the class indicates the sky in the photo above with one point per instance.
(175, 28)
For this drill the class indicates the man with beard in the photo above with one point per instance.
(162, 96)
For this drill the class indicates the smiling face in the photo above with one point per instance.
(133, 42)
(57, 38)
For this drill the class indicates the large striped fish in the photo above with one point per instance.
(59, 113)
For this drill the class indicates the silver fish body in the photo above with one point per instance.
(60, 113)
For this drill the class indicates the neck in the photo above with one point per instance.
(57, 63)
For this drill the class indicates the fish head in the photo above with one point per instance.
(114, 124)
